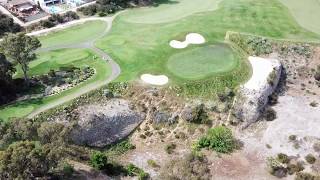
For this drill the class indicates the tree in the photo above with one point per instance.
(25, 160)
(19, 48)
(6, 81)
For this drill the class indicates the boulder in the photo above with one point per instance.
(101, 125)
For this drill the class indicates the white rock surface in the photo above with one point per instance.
(155, 79)
(192, 38)
(254, 94)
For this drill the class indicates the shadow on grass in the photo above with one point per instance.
(159, 2)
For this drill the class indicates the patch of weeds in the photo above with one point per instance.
(316, 146)
(268, 146)
(133, 170)
(292, 138)
(120, 148)
(314, 104)
(296, 145)
(153, 163)
(276, 168)
(283, 158)
(310, 159)
(294, 168)
(142, 136)
(169, 148)
(269, 114)
(306, 176)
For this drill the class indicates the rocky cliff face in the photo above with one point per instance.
(253, 96)
(100, 125)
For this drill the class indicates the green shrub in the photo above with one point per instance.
(269, 114)
(133, 170)
(219, 139)
(67, 170)
(283, 158)
(310, 159)
(99, 160)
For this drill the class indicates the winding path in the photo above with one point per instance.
(115, 68)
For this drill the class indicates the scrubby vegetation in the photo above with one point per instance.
(219, 139)
(190, 166)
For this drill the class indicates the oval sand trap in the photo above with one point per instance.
(192, 38)
(155, 79)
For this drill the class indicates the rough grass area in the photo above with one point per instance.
(306, 12)
(202, 62)
(75, 34)
(23, 108)
(144, 48)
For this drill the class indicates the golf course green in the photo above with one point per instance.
(54, 60)
(139, 42)
(202, 62)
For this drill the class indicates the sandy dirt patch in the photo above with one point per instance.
(158, 80)
(192, 38)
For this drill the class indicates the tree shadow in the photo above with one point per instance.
(159, 2)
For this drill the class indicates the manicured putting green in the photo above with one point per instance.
(75, 34)
(202, 62)
(171, 11)
(306, 12)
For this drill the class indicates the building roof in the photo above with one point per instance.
(19, 2)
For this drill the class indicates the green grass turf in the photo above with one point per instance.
(75, 34)
(306, 12)
(144, 48)
(170, 11)
(202, 62)
(23, 108)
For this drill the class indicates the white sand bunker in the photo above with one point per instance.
(261, 68)
(155, 79)
(192, 38)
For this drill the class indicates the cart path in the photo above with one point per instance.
(115, 68)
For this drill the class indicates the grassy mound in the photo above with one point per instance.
(75, 34)
(202, 62)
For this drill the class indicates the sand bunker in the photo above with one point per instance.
(261, 68)
(155, 80)
(192, 38)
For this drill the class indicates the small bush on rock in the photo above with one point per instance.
(283, 158)
(306, 176)
(269, 114)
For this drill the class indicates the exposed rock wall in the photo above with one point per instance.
(253, 96)
(100, 125)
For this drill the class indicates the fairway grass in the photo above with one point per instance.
(203, 62)
(144, 48)
(306, 12)
(170, 11)
(76, 34)
(103, 71)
